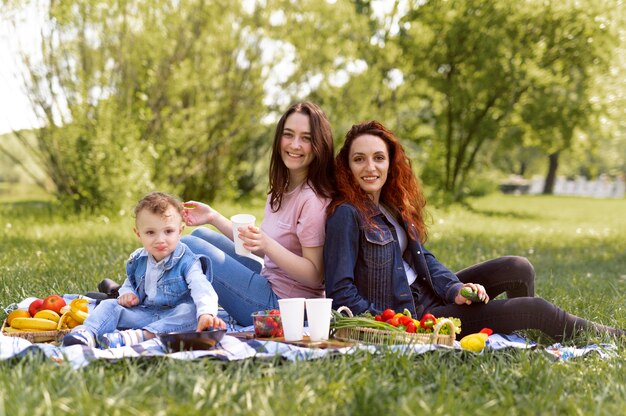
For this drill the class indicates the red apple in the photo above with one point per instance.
(35, 306)
(53, 303)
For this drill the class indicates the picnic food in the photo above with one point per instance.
(53, 303)
(428, 321)
(469, 294)
(267, 323)
(399, 322)
(48, 314)
(35, 306)
(74, 314)
(17, 313)
(476, 342)
(34, 324)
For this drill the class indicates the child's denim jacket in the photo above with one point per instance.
(172, 288)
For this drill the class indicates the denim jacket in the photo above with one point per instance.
(172, 287)
(364, 270)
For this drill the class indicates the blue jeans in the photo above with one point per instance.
(240, 287)
(110, 315)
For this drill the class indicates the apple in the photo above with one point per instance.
(53, 303)
(35, 306)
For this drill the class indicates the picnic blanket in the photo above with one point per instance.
(232, 348)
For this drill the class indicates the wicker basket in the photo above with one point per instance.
(382, 337)
(38, 336)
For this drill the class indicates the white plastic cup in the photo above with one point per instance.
(292, 316)
(318, 313)
(241, 220)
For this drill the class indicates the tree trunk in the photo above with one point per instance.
(553, 165)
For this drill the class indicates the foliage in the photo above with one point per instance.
(182, 96)
(139, 95)
(43, 252)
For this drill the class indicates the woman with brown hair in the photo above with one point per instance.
(291, 237)
(374, 257)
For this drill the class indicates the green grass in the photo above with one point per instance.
(576, 245)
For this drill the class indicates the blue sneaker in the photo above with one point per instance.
(122, 338)
(79, 336)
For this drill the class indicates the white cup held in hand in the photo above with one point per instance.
(292, 316)
(318, 312)
(241, 220)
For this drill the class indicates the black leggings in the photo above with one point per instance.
(515, 276)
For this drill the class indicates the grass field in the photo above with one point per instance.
(578, 248)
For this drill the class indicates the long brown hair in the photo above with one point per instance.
(401, 191)
(321, 170)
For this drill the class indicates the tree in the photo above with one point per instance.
(575, 47)
(472, 55)
(141, 95)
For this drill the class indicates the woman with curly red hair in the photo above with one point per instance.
(374, 255)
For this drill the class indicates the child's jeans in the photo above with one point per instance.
(109, 316)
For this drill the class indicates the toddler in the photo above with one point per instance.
(167, 287)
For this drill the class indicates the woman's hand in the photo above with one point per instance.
(208, 321)
(476, 288)
(128, 300)
(197, 213)
(253, 239)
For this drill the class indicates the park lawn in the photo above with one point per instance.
(576, 245)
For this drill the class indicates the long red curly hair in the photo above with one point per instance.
(401, 191)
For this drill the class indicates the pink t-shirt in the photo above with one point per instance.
(299, 223)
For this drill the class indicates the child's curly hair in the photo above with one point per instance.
(158, 203)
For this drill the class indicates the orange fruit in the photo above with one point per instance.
(17, 313)
(71, 322)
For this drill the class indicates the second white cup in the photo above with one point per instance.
(318, 314)
(292, 317)
(241, 220)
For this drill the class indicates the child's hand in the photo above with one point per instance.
(208, 321)
(128, 299)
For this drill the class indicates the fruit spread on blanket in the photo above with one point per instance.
(267, 323)
(49, 314)
(389, 320)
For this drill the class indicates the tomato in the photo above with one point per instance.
(378, 318)
(404, 320)
(428, 321)
(274, 312)
(411, 327)
(388, 314)
(393, 321)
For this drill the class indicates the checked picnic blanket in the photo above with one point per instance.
(232, 348)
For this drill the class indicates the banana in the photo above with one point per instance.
(11, 330)
(65, 309)
(78, 315)
(34, 324)
(80, 304)
(47, 314)
(62, 324)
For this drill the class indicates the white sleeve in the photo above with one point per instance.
(127, 288)
(202, 291)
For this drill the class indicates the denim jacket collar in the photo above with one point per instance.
(174, 258)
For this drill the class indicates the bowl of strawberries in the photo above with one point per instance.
(267, 324)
